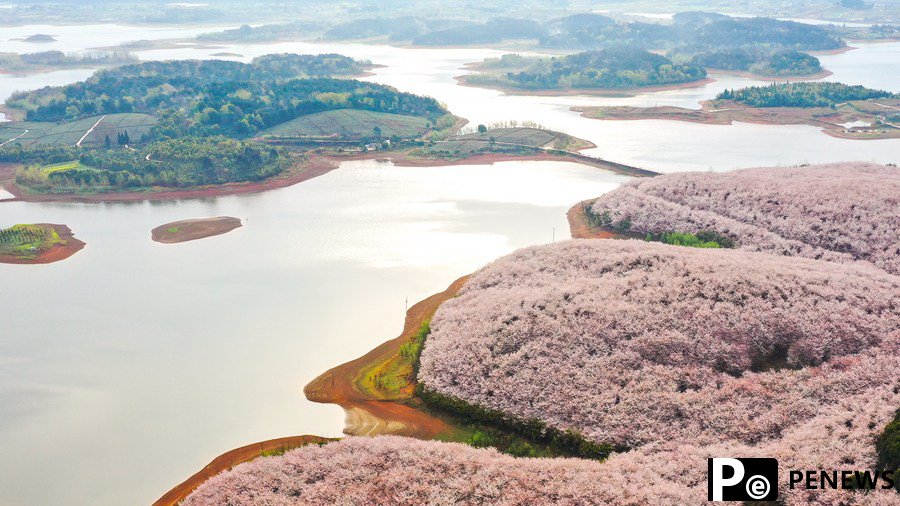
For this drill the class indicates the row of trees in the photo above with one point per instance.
(762, 62)
(594, 31)
(180, 162)
(221, 97)
(26, 234)
(608, 68)
(811, 94)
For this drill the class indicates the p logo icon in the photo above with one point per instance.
(731, 479)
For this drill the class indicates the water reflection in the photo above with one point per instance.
(130, 365)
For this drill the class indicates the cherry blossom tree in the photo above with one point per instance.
(840, 212)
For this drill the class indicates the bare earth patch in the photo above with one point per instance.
(725, 112)
(189, 230)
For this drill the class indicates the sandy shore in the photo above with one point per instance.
(232, 458)
(52, 254)
(190, 230)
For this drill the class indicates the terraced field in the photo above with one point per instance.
(349, 124)
(29, 133)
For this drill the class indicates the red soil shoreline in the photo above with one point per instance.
(313, 169)
(319, 164)
(55, 253)
(230, 459)
(339, 384)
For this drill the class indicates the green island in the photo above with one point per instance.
(53, 60)
(802, 95)
(203, 128)
(756, 46)
(37, 243)
(606, 69)
(187, 124)
(840, 110)
(781, 63)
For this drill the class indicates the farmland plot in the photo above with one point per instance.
(350, 124)
(29, 133)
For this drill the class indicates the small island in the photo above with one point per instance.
(605, 72)
(849, 112)
(40, 38)
(190, 230)
(40, 243)
(175, 129)
(47, 61)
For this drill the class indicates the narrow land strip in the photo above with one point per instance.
(232, 458)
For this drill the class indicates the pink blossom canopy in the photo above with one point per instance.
(840, 212)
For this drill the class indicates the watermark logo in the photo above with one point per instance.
(731, 479)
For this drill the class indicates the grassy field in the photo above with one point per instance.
(27, 241)
(349, 124)
(394, 379)
(498, 139)
(64, 166)
(29, 133)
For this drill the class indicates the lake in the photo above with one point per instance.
(126, 368)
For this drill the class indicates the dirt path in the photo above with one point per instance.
(83, 137)
(230, 459)
(14, 138)
(368, 415)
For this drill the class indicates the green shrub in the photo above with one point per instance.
(888, 445)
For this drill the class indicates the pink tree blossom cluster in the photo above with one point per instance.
(679, 350)
(839, 212)
(391, 470)
(677, 354)
(632, 342)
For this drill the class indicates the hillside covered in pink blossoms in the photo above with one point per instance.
(839, 212)
(787, 346)
(390, 470)
(663, 348)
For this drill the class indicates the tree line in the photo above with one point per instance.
(813, 94)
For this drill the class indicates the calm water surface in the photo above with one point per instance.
(129, 366)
